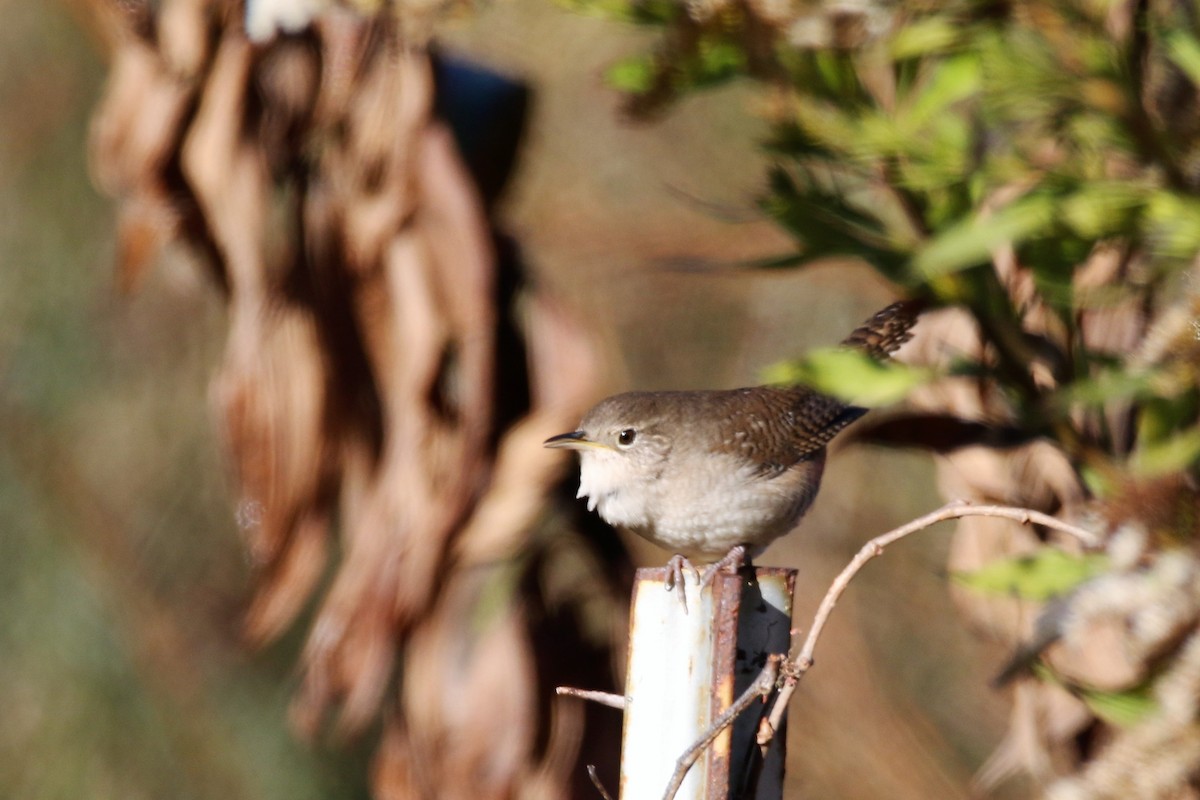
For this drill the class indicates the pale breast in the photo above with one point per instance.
(731, 504)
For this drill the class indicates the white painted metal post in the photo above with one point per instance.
(685, 668)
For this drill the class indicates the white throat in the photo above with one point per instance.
(602, 474)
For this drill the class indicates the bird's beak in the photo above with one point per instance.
(575, 440)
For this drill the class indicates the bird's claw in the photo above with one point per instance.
(676, 568)
(733, 561)
(679, 565)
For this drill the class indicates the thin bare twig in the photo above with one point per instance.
(797, 667)
(762, 686)
(609, 699)
(591, 769)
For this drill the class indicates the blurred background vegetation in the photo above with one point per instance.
(123, 669)
(124, 579)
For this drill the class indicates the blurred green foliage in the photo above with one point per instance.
(961, 149)
(1041, 575)
(932, 139)
(1122, 709)
(851, 375)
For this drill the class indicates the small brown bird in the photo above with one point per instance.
(716, 476)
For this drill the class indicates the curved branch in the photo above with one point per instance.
(795, 669)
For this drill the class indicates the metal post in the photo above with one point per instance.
(685, 668)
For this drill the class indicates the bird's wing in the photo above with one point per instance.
(776, 429)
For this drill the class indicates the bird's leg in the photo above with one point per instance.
(676, 567)
(733, 561)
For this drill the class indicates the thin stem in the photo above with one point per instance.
(595, 776)
(609, 699)
(797, 667)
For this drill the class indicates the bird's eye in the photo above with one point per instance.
(626, 437)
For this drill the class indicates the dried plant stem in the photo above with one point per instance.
(795, 669)
(609, 699)
(595, 777)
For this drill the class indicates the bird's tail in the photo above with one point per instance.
(886, 330)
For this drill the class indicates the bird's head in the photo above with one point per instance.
(623, 444)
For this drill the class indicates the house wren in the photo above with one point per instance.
(709, 474)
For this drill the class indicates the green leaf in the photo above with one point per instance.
(1174, 224)
(1161, 418)
(1102, 208)
(1053, 260)
(718, 60)
(835, 130)
(1099, 482)
(838, 75)
(1120, 708)
(924, 37)
(1116, 708)
(851, 376)
(1039, 576)
(635, 75)
(1106, 387)
(954, 81)
(972, 243)
(1165, 382)
(1184, 50)
(1177, 453)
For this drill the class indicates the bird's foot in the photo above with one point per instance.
(676, 567)
(731, 561)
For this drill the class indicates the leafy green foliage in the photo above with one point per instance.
(1038, 576)
(633, 75)
(713, 62)
(851, 376)
(1123, 709)
(1034, 164)
(956, 147)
